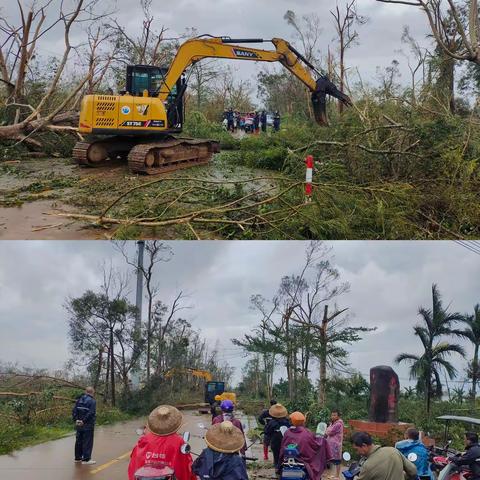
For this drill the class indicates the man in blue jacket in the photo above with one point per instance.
(84, 414)
(412, 444)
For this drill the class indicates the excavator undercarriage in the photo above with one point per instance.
(150, 156)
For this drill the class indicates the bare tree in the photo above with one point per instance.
(345, 23)
(460, 43)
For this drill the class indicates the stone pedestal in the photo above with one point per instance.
(385, 430)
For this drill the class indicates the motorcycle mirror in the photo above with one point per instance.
(412, 457)
(321, 428)
(185, 448)
(186, 436)
(346, 456)
(283, 429)
(140, 431)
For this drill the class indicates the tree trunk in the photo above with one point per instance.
(96, 379)
(112, 368)
(322, 388)
(149, 334)
(475, 373)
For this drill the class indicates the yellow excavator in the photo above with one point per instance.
(144, 121)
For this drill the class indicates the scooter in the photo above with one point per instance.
(292, 469)
(353, 469)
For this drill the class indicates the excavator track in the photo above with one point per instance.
(152, 158)
(172, 154)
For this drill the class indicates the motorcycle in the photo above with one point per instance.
(291, 468)
(353, 469)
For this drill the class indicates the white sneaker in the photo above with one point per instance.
(77, 461)
(90, 462)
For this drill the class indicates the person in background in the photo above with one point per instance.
(220, 460)
(313, 451)
(385, 463)
(228, 407)
(263, 419)
(263, 120)
(334, 437)
(279, 419)
(161, 445)
(214, 405)
(256, 123)
(230, 119)
(471, 457)
(84, 414)
(412, 444)
(276, 121)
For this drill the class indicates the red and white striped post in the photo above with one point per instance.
(308, 178)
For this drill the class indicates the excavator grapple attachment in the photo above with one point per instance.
(319, 99)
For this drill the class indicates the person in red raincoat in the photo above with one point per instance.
(314, 452)
(160, 445)
(227, 407)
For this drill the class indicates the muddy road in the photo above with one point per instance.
(112, 446)
(36, 194)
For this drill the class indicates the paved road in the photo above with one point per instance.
(54, 460)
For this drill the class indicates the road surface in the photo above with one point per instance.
(112, 446)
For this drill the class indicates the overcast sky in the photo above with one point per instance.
(389, 281)
(379, 39)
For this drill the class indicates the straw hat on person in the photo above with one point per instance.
(278, 411)
(225, 437)
(164, 420)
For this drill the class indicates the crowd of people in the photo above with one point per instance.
(250, 122)
(224, 455)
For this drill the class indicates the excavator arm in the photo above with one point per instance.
(196, 49)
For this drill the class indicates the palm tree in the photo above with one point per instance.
(426, 368)
(472, 332)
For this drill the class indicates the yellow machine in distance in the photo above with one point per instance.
(142, 122)
(207, 376)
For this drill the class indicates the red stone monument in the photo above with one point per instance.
(383, 412)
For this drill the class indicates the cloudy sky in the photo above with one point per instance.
(379, 39)
(389, 281)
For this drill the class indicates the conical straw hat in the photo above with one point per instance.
(164, 420)
(278, 411)
(225, 437)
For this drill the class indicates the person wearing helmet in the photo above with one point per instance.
(227, 407)
(273, 431)
(220, 460)
(160, 445)
(313, 451)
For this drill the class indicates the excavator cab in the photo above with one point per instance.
(147, 78)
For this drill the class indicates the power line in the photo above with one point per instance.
(472, 245)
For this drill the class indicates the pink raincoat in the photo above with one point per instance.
(314, 452)
(334, 435)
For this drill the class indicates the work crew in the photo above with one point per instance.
(334, 437)
(279, 419)
(221, 459)
(385, 463)
(263, 419)
(276, 121)
(161, 445)
(313, 451)
(263, 120)
(471, 456)
(84, 415)
(412, 444)
(228, 407)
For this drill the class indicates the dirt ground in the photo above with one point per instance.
(35, 192)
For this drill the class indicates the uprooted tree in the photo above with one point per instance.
(22, 112)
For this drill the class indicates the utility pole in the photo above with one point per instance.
(138, 303)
